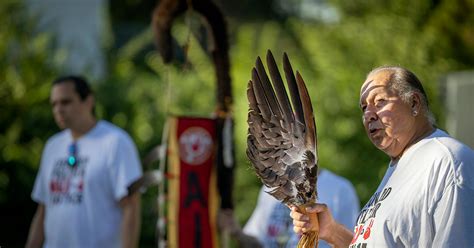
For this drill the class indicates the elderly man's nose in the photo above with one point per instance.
(370, 116)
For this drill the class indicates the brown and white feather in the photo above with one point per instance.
(281, 142)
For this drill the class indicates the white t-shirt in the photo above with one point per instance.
(272, 225)
(82, 201)
(424, 200)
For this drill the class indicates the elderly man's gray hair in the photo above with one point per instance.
(406, 83)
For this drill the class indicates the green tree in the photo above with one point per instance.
(430, 38)
(25, 118)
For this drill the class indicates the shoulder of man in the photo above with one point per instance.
(57, 138)
(442, 145)
(110, 129)
(335, 180)
(450, 159)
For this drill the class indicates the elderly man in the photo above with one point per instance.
(85, 172)
(426, 196)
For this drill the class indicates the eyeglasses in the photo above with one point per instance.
(72, 159)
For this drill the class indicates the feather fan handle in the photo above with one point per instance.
(281, 141)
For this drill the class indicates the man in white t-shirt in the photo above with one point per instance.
(426, 196)
(271, 224)
(85, 171)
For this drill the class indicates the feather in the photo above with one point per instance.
(281, 142)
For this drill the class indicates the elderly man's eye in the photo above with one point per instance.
(379, 102)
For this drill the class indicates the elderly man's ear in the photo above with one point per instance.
(416, 104)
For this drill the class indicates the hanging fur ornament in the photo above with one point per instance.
(281, 142)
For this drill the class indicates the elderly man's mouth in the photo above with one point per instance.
(374, 131)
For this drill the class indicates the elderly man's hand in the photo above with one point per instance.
(329, 230)
(302, 222)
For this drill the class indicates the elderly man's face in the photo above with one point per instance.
(388, 121)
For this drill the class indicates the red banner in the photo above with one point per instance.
(192, 204)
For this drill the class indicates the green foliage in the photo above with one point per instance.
(430, 38)
(25, 118)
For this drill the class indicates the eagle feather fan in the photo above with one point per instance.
(281, 142)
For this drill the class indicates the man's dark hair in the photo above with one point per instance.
(80, 85)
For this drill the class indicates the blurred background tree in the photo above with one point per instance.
(332, 43)
(25, 118)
